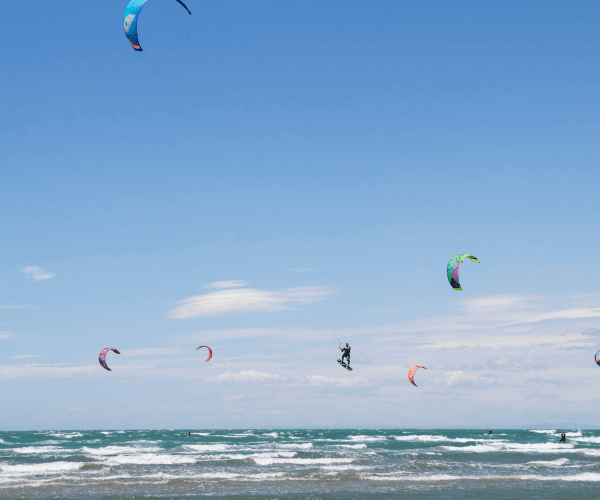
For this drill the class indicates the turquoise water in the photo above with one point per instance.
(300, 464)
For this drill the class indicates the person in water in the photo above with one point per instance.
(189, 433)
(346, 353)
(563, 437)
(490, 431)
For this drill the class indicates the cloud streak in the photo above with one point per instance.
(247, 301)
(36, 273)
(249, 376)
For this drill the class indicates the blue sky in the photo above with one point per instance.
(329, 157)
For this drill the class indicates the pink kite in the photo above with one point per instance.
(102, 357)
(411, 374)
(209, 350)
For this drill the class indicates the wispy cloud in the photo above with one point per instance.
(322, 381)
(246, 376)
(77, 409)
(248, 301)
(6, 335)
(219, 285)
(158, 351)
(25, 356)
(37, 273)
(301, 269)
(37, 371)
(13, 306)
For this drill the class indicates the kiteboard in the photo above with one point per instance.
(344, 365)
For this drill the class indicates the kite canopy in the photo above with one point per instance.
(209, 351)
(598, 358)
(411, 374)
(453, 267)
(130, 20)
(102, 357)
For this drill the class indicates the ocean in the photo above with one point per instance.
(300, 464)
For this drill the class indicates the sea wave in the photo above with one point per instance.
(367, 438)
(118, 450)
(149, 459)
(504, 446)
(40, 449)
(301, 461)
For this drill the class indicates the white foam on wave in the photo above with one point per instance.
(119, 450)
(345, 468)
(360, 446)
(239, 436)
(559, 462)
(242, 456)
(426, 438)
(212, 476)
(200, 433)
(589, 439)
(67, 435)
(40, 449)
(39, 469)
(367, 438)
(503, 446)
(271, 434)
(204, 448)
(395, 476)
(149, 459)
(294, 446)
(573, 434)
(543, 431)
(2, 441)
(301, 461)
(590, 452)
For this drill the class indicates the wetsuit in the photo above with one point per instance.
(346, 354)
(563, 438)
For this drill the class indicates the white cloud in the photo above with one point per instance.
(37, 371)
(461, 378)
(158, 351)
(6, 335)
(227, 284)
(247, 300)
(301, 269)
(77, 409)
(13, 306)
(37, 273)
(246, 376)
(321, 381)
(24, 356)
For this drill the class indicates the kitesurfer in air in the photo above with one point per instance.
(490, 431)
(563, 437)
(346, 353)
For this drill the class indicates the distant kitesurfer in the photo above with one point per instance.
(563, 437)
(346, 353)
(490, 431)
(189, 433)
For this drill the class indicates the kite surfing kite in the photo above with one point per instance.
(102, 357)
(130, 20)
(209, 351)
(411, 374)
(454, 266)
(598, 358)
